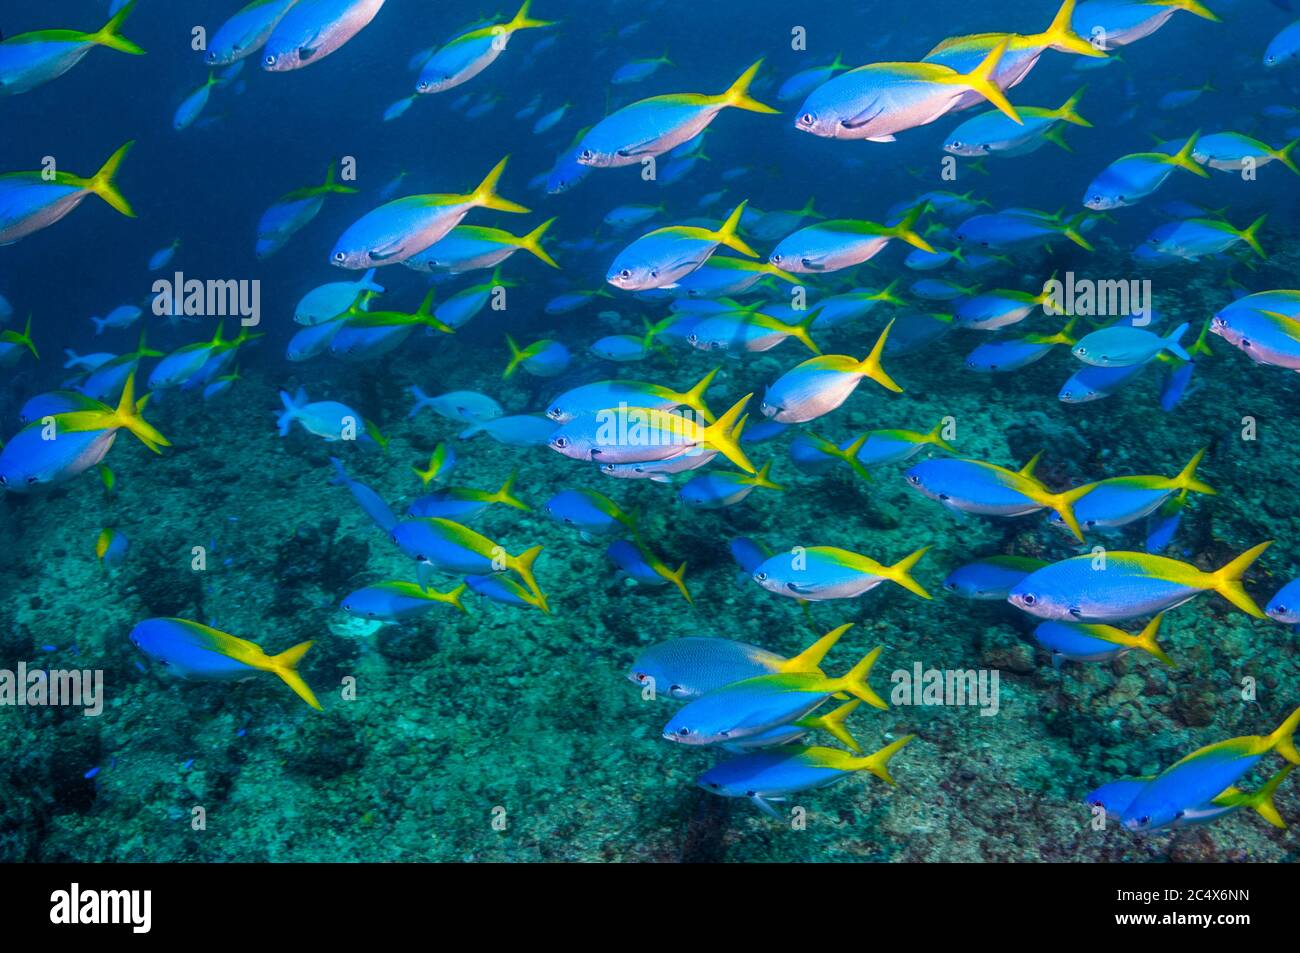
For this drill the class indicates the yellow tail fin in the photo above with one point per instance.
(833, 722)
(870, 366)
(505, 495)
(738, 93)
(1186, 480)
(516, 356)
(678, 578)
(1282, 740)
(1060, 34)
(1191, 6)
(1063, 504)
(721, 437)
(761, 478)
(1183, 157)
(1227, 581)
(286, 666)
(906, 229)
(522, 21)
(801, 330)
(485, 196)
(935, 437)
(878, 763)
(810, 659)
(532, 242)
(1248, 234)
(855, 682)
(101, 183)
(1069, 110)
(1146, 641)
(900, 573)
(694, 398)
(728, 234)
(1283, 155)
(108, 36)
(523, 565)
(1261, 800)
(980, 79)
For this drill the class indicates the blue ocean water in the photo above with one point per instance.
(505, 733)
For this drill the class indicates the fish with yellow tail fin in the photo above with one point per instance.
(393, 232)
(58, 448)
(1115, 586)
(690, 667)
(1133, 177)
(28, 60)
(640, 563)
(111, 547)
(14, 344)
(195, 651)
(774, 774)
(876, 101)
(544, 358)
(716, 489)
(846, 243)
(396, 600)
(1111, 24)
(441, 462)
(963, 53)
(755, 705)
(30, 202)
(821, 384)
(822, 573)
(651, 127)
(446, 546)
(1119, 501)
(642, 434)
(472, 52)
(973, 486)
(1204, 775)
(1092, 642)
(661, 258)
(833, 723)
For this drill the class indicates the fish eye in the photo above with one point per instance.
(683, 732)
(760, 576)
(807, 119)
(776, 259)
(586, 154)
(1029, 599)
(625, 273)
(561, 442)
(913, 479)
(1144, 820)
(268, 60)
(422, 86)
(340, 257)
(211, 57)
(1080, 350)
(32, 480)
(1280, 610)
(751, 794)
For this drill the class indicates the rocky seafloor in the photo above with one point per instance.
(459, 718)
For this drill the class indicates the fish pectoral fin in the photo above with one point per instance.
(386, 252)
(881, 139)
(765, 807)
(308, 49)
(861, 119)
